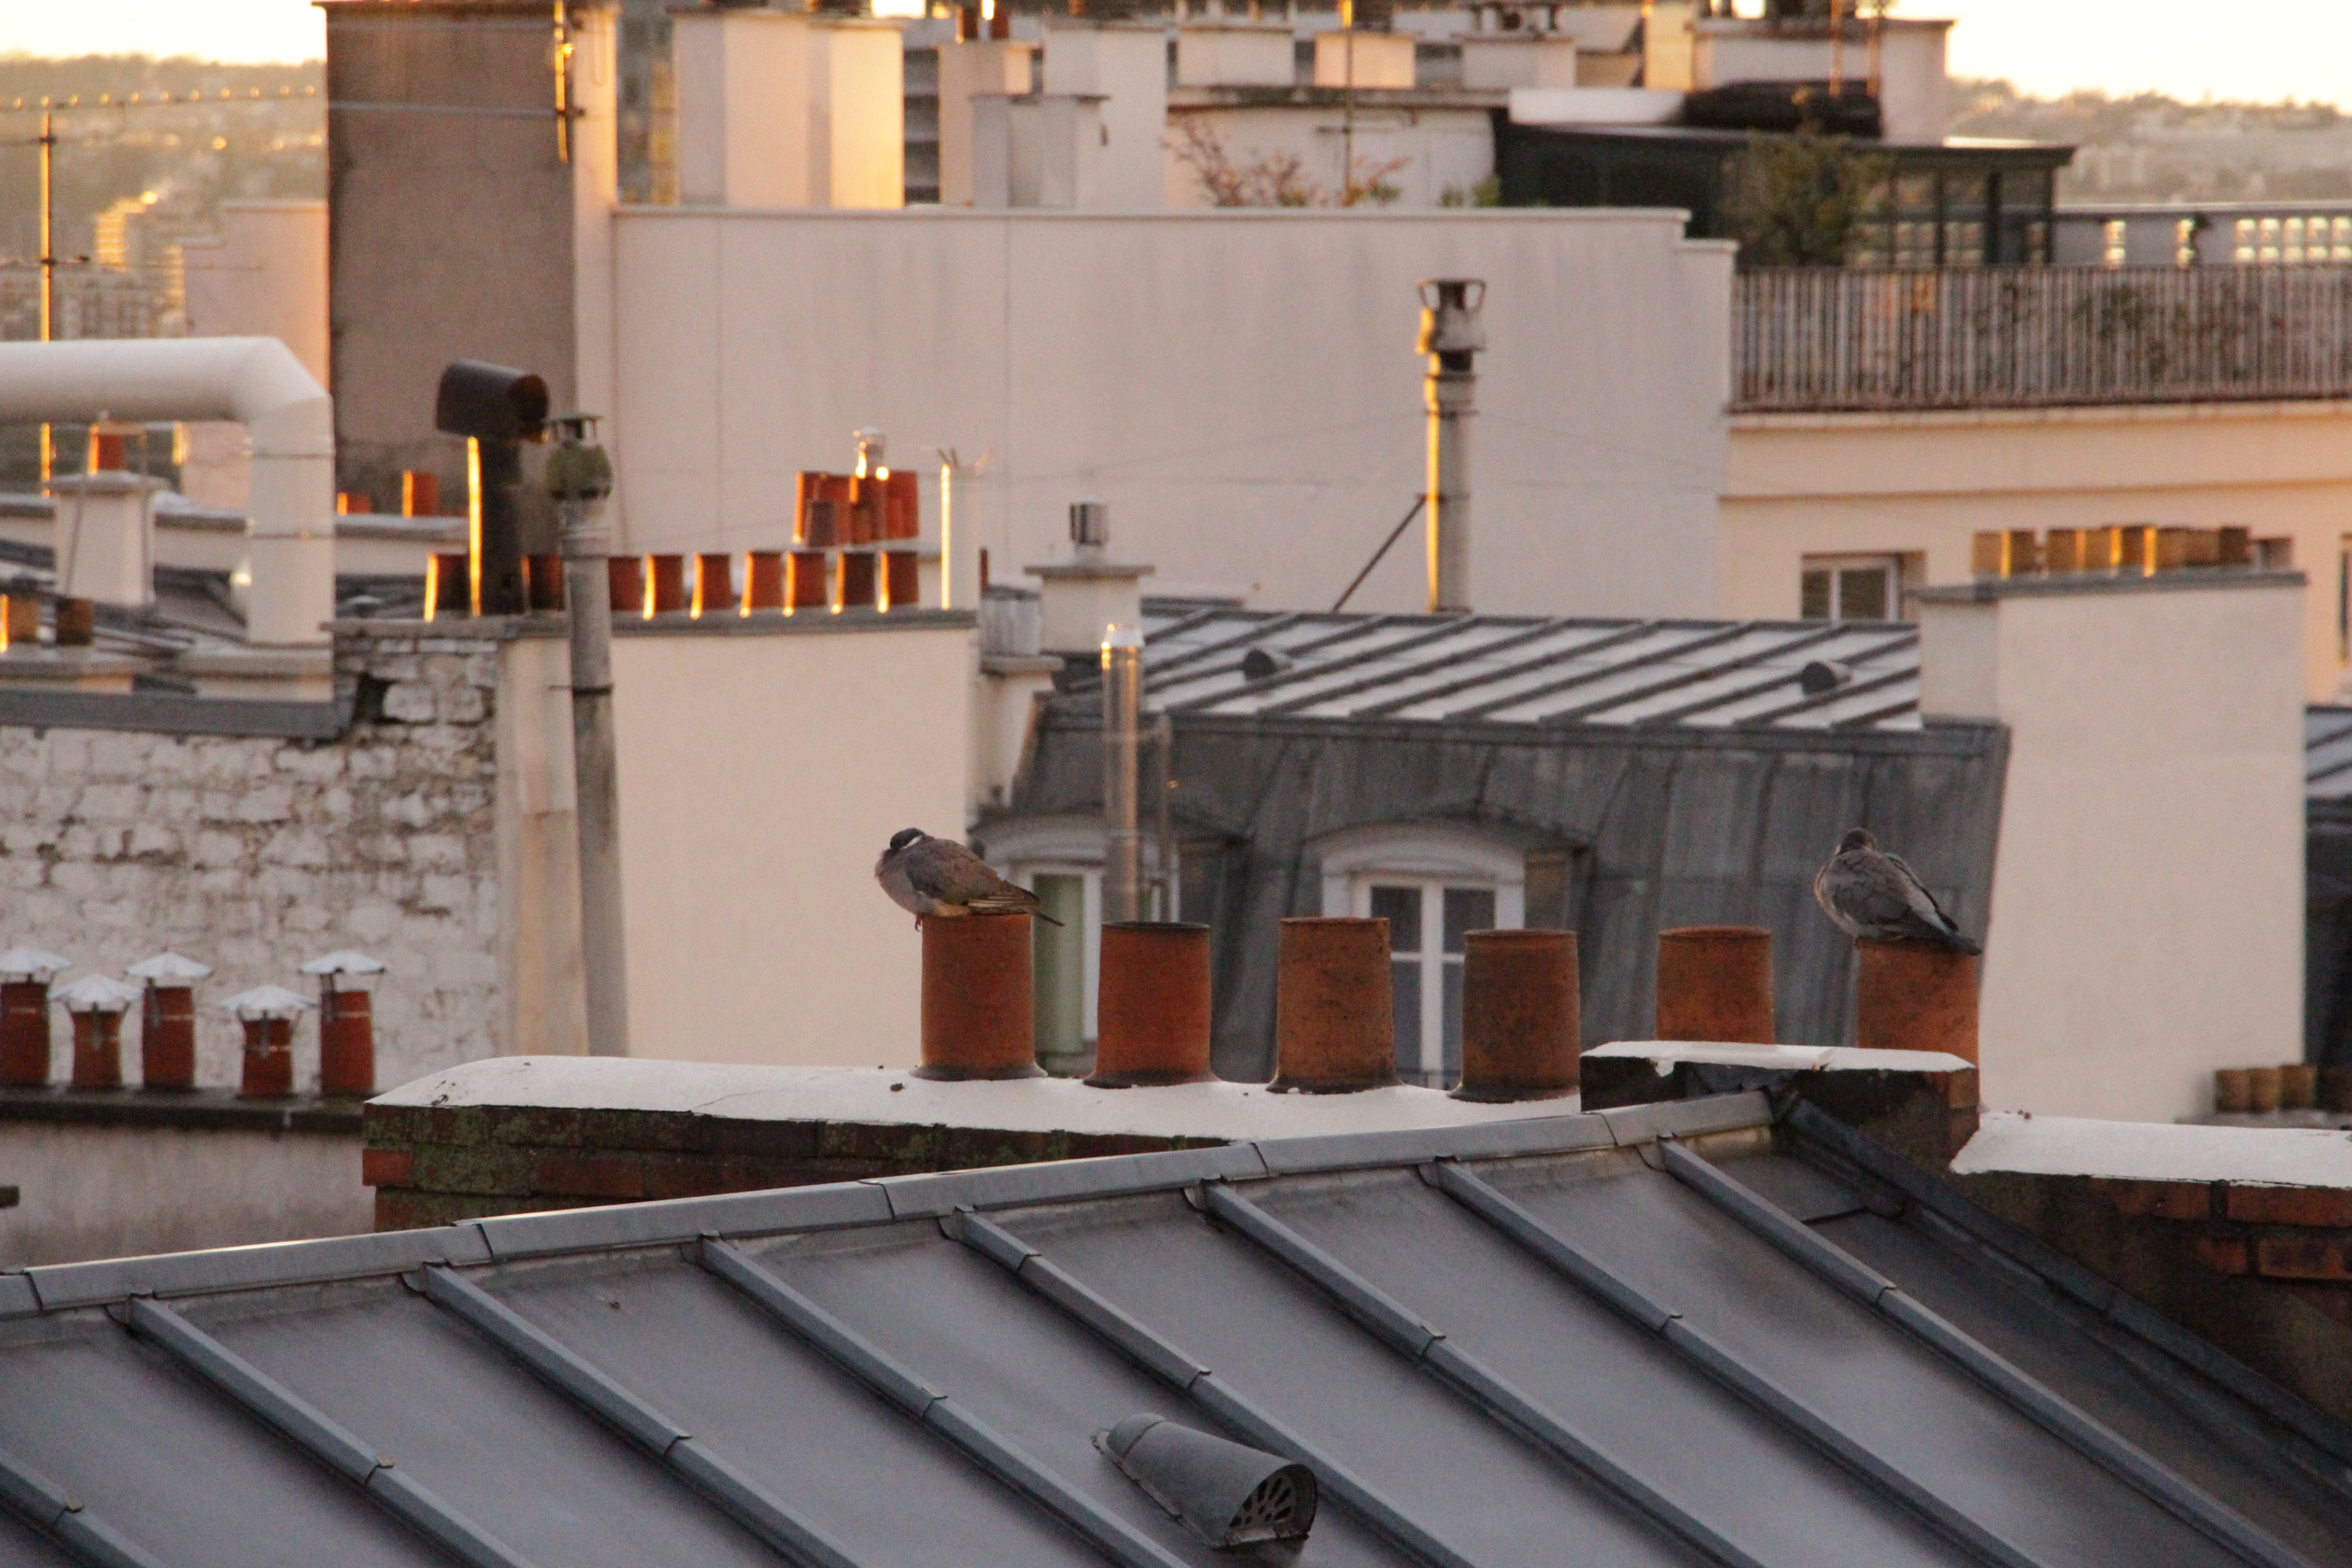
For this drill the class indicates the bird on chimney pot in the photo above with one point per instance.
(928, 876)
(1870, 894)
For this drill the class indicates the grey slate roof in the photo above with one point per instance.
(2327, 753)
(1683, 779)
(1541, 1348)
(1509, 670)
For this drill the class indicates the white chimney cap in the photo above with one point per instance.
(96, 993)
(267, 1002)
(168, 966)
(348, 961)
(30, 964)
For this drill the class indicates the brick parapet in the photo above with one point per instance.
(432, 1165)
(2280, 1233)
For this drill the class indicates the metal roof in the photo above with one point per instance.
(2327, 753)
(1554, 1340)
(1507, 669)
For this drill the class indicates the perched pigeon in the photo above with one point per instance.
(1869, 893)
(929, 875)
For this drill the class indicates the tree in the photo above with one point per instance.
(1796, 200)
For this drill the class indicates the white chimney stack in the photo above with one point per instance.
(779, 109)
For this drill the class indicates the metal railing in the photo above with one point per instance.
(2021, 337)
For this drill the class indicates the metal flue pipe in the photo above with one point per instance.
(1451, 336)
(579, 477)
(1122, 689)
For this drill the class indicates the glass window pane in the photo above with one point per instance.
(1059, 967)
(1862, 594)
(1404, 985)
(1468, 910)
(1451, 1062)
(1400, 906)
(1813, 596)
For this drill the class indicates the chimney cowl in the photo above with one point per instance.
(1450, 308)
(1226, 1493)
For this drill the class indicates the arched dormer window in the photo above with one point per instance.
(1434, 883)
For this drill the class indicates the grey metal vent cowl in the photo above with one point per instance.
(1227, 1494)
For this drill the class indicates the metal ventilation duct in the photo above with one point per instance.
(1224, 1493)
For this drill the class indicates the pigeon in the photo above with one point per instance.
(1867, 892)
(928, 876)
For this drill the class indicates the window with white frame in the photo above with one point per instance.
(1851, 588)
(1433, 884)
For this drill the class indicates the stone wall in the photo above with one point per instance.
(253, 854)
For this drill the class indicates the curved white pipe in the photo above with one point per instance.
(257, 381)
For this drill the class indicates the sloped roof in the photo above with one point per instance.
(1508, 669)
(1517, 1344)
(2327, 753)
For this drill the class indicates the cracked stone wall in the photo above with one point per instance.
(254, 855)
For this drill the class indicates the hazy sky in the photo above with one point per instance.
(2259, 49)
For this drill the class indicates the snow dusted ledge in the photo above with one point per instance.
(2016, 1142)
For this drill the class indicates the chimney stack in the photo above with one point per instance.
(268, 1013)
(167, 1020)
(346, 1023)
(1335, 1027)
(96, 1005)
(1522, 1027)
(979, 1005)
(1153, 1006)
(1451, 335)
(25, 974)
(1714, 983)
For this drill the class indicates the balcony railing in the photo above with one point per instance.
(2027, 337)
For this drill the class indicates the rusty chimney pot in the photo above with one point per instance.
(346, 1023)
(626, 575)
(979, 1010)
(1335, 1027)
(1153, 1006)
(1715, 983)
(664, 586)
(167, 1020)
(1521, 1023)
(268, 1013)
(95, 1004)
(1915, 996)
(25, 974)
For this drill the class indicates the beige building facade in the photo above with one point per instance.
(1908, 491)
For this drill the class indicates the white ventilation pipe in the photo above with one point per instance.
(257, 381)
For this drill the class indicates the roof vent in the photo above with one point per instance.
(1226, 1494)
(1821, 676)
(1260, 663)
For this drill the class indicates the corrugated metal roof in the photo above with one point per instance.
(1518, 670)
(2327, 753)
(1517, 1344)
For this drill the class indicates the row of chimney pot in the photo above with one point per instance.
(1334, 1026)
(2291, 1086)
(2137, 549)
(420, 496)
(167, 1024)
(72, 624)
(707, 584)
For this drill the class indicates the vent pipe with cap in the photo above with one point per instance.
(1451, 335)
(1122, 731)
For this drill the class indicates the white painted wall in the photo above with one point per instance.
(1126, 64)
(1240, 387)
(779, 108)
(2147, 894)
(126, 1192)
(760, 777)
(1902, 483)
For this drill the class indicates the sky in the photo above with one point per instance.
(2261, 50)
